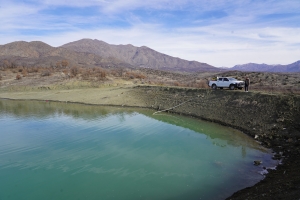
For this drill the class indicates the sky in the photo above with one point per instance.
(222, 33)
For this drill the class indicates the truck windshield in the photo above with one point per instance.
(232, 79)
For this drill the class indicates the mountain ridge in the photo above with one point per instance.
(42, 54)
(95, 53)
(137, 56)
(293, 67)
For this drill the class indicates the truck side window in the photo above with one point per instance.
(220, 79)
(226, 79)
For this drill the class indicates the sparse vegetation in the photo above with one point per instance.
(62, 71)
(74, 71)
(45, 73)
(64, 63)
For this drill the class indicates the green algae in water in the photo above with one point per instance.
(69, 151)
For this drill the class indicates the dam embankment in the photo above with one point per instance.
(255, 113)
(272, 119)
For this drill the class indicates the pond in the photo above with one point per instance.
(51, 150)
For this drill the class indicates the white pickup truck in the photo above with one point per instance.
(226, 82)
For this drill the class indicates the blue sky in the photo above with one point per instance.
(218, 32)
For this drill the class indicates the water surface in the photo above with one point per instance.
(69, 151)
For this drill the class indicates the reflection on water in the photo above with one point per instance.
(54, 150)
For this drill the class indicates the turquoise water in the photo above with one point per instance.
(68, 151)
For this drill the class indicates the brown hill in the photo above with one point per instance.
(41, 54)
(87, 52)
(24, 49)
(138, 56)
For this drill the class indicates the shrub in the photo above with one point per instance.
(6, 64)
(18, 77)
(45, 73)
(57, 64)
(32, 70)
(103, 73)
(202, 84)
(74, 71)
(64, 63)
(24, 73)
(100, 74)
(133, 75)
(176, 83)
(86, 73)
(140, 76)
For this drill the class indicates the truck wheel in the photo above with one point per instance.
(214, 87)
(231, 87)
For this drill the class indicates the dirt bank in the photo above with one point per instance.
(274, 120)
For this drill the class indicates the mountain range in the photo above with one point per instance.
(88, 52)
(96, 53)
(293, 67)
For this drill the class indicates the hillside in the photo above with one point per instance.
(138, 56)
(95, 53)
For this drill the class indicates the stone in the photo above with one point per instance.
(257, 162)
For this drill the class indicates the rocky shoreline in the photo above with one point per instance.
(273, 120)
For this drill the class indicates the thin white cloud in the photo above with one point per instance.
(242, 35)
(13, 12)
(191, 45)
